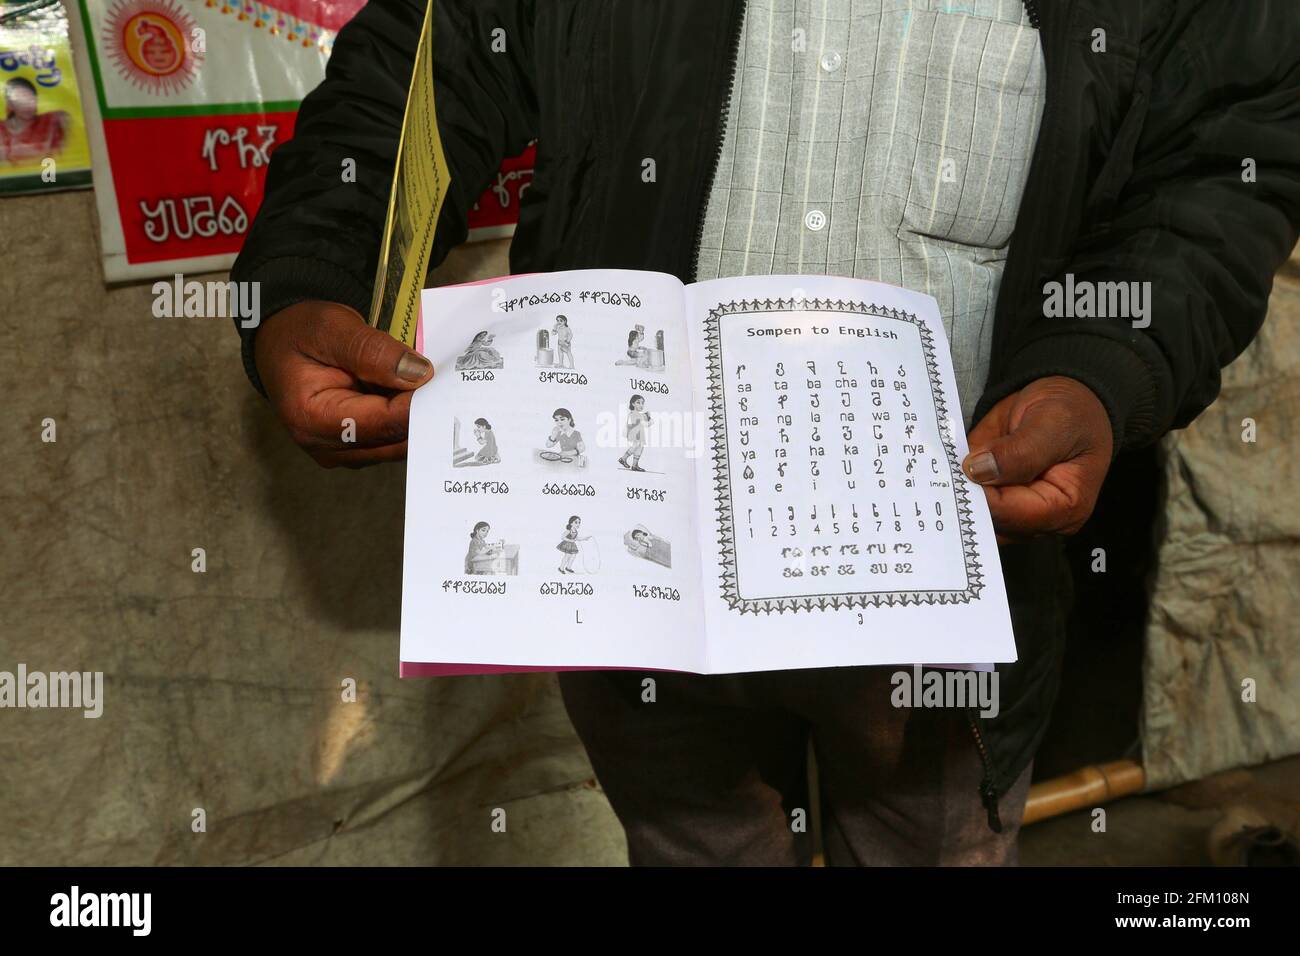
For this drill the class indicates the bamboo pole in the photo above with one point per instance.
(1087, 787)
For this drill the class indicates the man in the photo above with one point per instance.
(978, 152)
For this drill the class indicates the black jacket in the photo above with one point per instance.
(1137, 175)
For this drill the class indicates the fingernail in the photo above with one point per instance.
(412, 367)
(983, 467)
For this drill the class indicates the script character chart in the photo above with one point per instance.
(837, 467)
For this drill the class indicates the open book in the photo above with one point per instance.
(612, 470)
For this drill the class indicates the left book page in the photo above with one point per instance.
(550, 493)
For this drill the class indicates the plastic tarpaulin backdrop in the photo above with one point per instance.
(1227, 606)
(224, 690)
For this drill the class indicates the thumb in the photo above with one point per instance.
(1018, 457)
(347, 342)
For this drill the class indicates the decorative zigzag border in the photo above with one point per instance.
(722, 469)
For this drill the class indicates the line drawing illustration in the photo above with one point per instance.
(641, 542)
(480, 355)
(640, 354)
(487, 453)
(638, 420)
(555, 347)
(564, 446)
(569, 547)
(490, 557)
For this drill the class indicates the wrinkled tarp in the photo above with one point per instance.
(223, 690)
(1226, 607)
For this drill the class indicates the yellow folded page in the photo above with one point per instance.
(420, 182)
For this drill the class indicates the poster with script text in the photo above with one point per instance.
(181, 138)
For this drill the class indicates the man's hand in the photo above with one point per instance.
(321, 364)
(1041, 454)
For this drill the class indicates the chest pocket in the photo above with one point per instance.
(967, 116)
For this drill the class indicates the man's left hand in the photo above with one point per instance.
(1041, 454)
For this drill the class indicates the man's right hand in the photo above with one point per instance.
(322, 364)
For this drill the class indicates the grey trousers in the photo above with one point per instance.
(714, 771)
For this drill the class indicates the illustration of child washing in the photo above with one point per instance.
(487, 439)
(479, 548)
(636, 350)
(637, 422)
(565, 438)
(568, 545)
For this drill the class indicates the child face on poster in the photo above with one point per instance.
(20, 100)
(563, 424)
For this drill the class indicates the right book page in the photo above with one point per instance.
(836, 525)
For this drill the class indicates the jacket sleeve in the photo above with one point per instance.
(316, 235)
(1225, 90)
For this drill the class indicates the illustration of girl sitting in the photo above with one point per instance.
(637, 353)
(479, 548)
(487, 454)
(480, 354)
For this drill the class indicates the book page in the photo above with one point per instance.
(550, 496)
(420, 182)
(833, 508)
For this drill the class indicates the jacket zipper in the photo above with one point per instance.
(988, 789)
(737, 29)
(988, 792)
